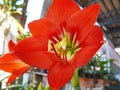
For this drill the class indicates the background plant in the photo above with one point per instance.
(97, 68)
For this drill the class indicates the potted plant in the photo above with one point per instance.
(96, 73)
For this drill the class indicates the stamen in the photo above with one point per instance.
(56, 39)
(64, 48)
(54, 49)
(65, 56)
(74, 40)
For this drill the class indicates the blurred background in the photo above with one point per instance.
(102, 72)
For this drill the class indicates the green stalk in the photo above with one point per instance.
(77, 88)
(75, 80)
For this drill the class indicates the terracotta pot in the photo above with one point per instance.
(102, 82)
(87, 83)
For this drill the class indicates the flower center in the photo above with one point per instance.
(65, 48)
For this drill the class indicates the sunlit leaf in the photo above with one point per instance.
(40, 86)
(47, 88)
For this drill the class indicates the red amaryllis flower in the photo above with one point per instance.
(12, 64)
(62, 41)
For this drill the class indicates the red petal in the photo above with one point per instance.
(32, 44)
(61, 10)
(11, 45)
(81, 21)
(11, 63)
(59, 74)
(33, 51)
(36, 58)
(44, 28)
(11, 78)
(55, 89)
(17, 73)
(89, 47)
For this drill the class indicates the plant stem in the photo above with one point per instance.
(77, 88)
(75, 80)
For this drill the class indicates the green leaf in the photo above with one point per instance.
(30, 88)
(14, 2)
(20, 6)
(16, 12)
(40, 86)
(47, 88)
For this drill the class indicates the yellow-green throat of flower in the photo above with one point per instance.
(64, 48)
